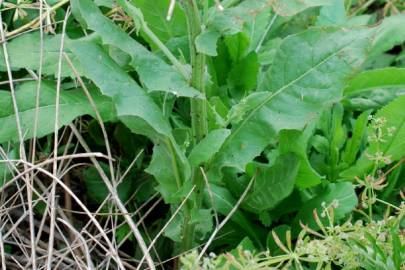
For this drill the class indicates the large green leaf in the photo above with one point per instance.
(392, 145)
(342, 195)
(137, 111)
(24, 52)
(272, 183)
(298, 91)
(258, 28)
(72, 105)
(292, 7)
(153, 71)
(130, 99)
(155, 13)
(377, 78)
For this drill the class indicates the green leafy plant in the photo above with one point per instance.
(233, 117)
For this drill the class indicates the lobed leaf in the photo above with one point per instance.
(156, 74)
(138, 112)
(97, 191)
(129, 98)
(206, 42)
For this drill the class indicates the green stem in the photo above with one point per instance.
(198, 114)
(137, 16)
(198, 107)
(146, 30)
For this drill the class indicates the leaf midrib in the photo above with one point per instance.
(272, 95)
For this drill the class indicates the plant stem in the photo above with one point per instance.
(198, 107)
(165, 50)
(198, 115)
(137, 16)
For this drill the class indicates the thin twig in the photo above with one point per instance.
(38, 92)
(18, 80)
(166, 225)
(226, 219)
(19, 129)
(55, 144)
(120, 205)
(2, 252)
(211, 195)
(35, 21)
(90, 264)
(85, 209)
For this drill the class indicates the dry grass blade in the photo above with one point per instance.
(56, 142)
(34, 22)
(80, 203)
(226, 219)
(86, 250)
(167, 224)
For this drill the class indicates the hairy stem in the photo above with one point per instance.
(198, 114)
(198, 107)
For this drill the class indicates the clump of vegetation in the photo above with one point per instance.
(375, 245)
(139, 134)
